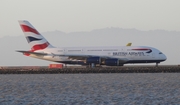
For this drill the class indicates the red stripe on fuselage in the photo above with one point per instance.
(37, 47)
(29, 29)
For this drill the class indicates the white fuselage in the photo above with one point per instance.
(130, 54)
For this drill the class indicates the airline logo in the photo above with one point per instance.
(138, 52)
(34, 38)
(143, 49)
(128, 53)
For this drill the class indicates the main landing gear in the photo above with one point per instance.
(93, 65)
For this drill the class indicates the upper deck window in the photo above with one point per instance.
(110, 50)
(95, 50)
(73, 50)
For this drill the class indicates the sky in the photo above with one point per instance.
(86, 15)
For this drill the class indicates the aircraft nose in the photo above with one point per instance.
(164, 57)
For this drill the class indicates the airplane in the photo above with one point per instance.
(109, 55)
(129, 44)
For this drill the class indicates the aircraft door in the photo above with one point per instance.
(83, 51)
(65, 51)
(153, 55)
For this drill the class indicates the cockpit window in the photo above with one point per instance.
(160, 53)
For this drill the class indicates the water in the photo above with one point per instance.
(90, 89)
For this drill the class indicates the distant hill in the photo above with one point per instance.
(166, 41)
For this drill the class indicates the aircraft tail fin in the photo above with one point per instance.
(34, 38)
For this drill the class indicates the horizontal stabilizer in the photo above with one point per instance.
(30, 52)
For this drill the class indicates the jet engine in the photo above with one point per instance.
(112, 62)
(95, 60)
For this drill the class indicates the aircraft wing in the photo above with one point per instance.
(62, 55)
(76, 56)
(83, 57)
(72, 57)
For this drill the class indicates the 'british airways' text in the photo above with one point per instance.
(128, 53)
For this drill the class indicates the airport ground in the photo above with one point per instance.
(81, 69)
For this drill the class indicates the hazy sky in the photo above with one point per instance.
(86, 15)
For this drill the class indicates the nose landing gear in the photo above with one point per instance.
(157, 64)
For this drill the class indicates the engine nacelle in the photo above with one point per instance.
(112, 62)
(95, 60)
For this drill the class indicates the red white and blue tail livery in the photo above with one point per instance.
(34, 38)
(109, 56)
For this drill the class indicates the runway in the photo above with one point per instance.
(121, 69)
